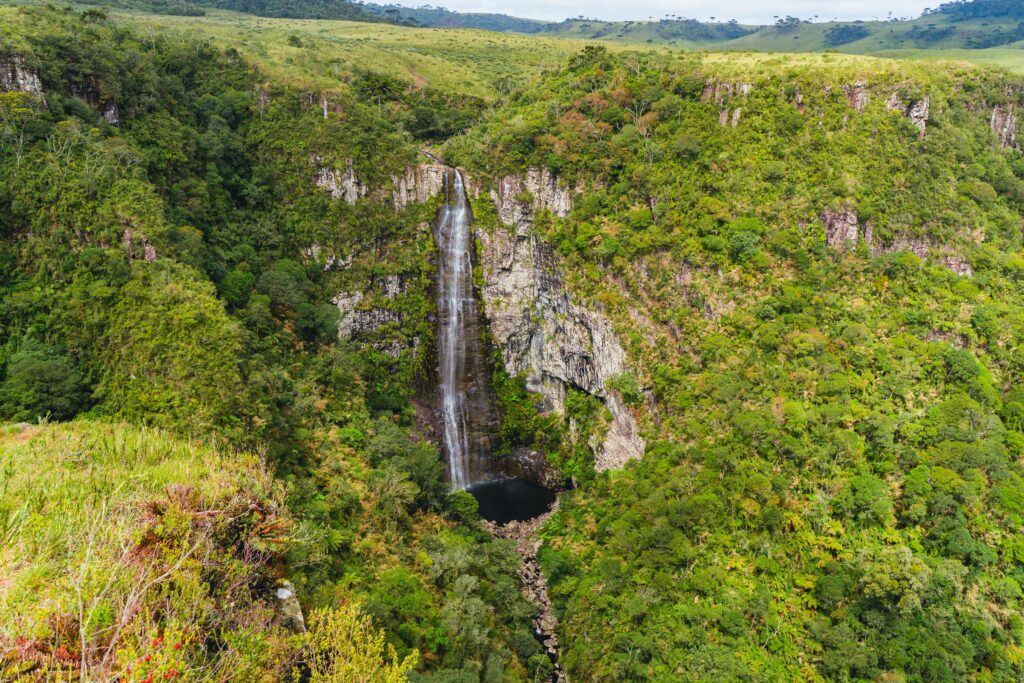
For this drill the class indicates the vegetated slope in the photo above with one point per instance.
(439, 17)
(319, 54)
(674, 31)
(933, 31)
(175, 232)
(819, 279)
(303, 9)
(104, 522)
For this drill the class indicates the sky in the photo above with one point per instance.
(744, 11)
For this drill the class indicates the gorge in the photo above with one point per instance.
(609, 387)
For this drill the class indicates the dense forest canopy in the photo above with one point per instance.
(837, 447)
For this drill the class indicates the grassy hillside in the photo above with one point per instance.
(104, 523)
(484, 63)
(834, 468)
(319, 54)
(935, 31)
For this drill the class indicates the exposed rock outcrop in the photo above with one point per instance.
(857, 95)
(1004, 124)
(924, 248)
(526, 463)
(543, 335)
(339, 184)
(137, 246)
(957, 264)
(289, 611)
(518, 197)
(724, 118)
(359, 321)
(418, 184)
(111, 115)
(717, 91)
(316, 253)
(841, 228)
(16, 76)
(917, 112)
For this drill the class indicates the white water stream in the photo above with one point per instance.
(456, 302)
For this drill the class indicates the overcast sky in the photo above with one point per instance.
(745, 11)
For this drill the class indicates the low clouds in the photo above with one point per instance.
(745, 11)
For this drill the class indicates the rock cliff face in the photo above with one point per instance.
(857, 95)
(843, 232)
(137, 246)
(418, 184)
(841, 229)
(718, 91)
(517, 197)
(360, 321)
(541, 333)
(722, 93)
(924, 248)
(1004, 124)
(918, 112)
(339, 184)
(16, 76)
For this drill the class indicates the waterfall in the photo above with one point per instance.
(456, 327)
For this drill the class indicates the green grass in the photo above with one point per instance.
(1010, 57)
(463, 61)
(71, 506)
(475, 62)
(321, 54)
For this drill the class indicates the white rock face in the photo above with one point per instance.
(918, 112)
(339, 184)
(418, 184)
(518, 197)
(1004, 124)
(16, 76)
(541, 333)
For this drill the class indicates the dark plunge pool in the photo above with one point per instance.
(511, 500)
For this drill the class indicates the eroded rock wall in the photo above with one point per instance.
(541, 333)
(16, 76)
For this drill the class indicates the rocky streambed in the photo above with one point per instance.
(524, 534)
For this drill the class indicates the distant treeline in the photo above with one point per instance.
(964, 10)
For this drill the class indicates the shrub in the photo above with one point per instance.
(42, 382)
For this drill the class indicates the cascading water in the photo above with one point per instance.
(456, 325)
(464, 370)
